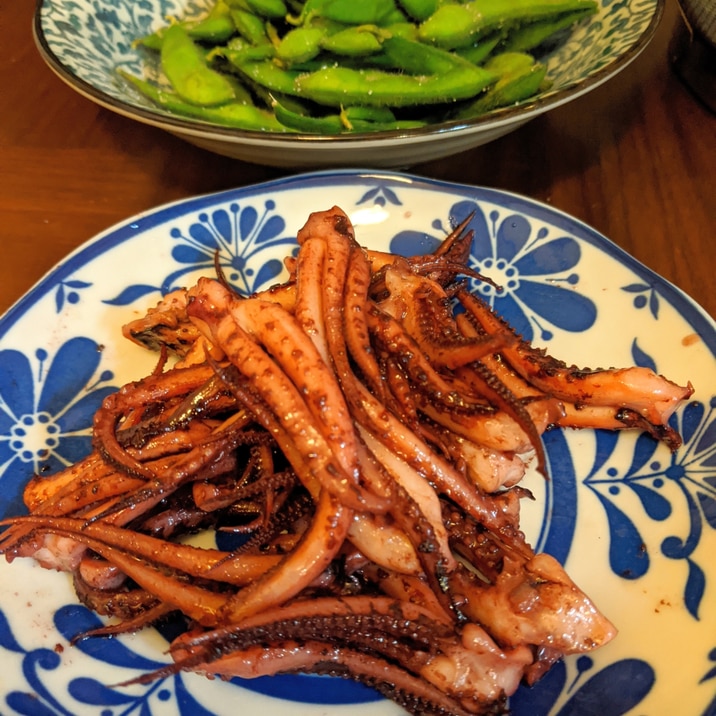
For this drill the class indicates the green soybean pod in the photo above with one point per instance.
(357, 12)
(305, 12)
(456, 25)
(217, 26)
(419, 9)
(418, 58)
(242, 116)
(526, 37)
(233, 114)
(153, 41)
(297, 121)
(265, 73)
(339, 86)
(383, 115)
(481, 49)
(247, 52)
(300, 44)
(406, 30)
(270, 9)
(395, 16)
(192, 79)
(357, 41)
(342, 122)
(519, 77)
(251, 27)
(450, 26)
(241, 92)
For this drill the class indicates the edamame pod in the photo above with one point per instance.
(357, 12)
(269, 9)
(336, 86)
(406, 30)
(519, 77)
(356, 41)
(300, 45)
(420, 59)
(341, 123)
(527, 37)
(326, 124)
(251, 27)
(216, 27)
(265, 73)
(457, 25)
(419, 9)
(233, 114)
(480, 50)
(377, 115)
(191, 78)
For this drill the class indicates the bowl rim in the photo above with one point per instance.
(494, 119)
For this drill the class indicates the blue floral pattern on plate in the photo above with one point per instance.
(634, 523)
(46, 408)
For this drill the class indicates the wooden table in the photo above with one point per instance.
(635, 158)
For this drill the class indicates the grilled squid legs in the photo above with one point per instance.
(346, 449)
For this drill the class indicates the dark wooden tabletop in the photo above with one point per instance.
(634, 158)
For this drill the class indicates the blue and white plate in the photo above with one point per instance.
(634, 524)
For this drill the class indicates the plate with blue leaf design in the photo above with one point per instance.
(634, 524)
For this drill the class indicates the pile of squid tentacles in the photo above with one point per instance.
(366, 441)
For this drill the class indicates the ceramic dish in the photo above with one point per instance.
(85, 41)
(634, 524)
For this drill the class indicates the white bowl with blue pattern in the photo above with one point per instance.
(85, 41)
(634, 524)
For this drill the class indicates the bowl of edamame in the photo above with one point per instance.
(327, 83)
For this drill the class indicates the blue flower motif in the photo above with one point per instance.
(75, 619)
(617, 688)
(43, 696)
(645, 296)
(46, 410)
(711, 673)
(68, 292)
(381, 194)
(533, 268)
(692, 469)
(234, 236)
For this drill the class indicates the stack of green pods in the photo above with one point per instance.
(337, 66)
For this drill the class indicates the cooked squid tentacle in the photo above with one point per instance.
(194, 561)
(311, 556)
(636, 388)
(295, 399)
